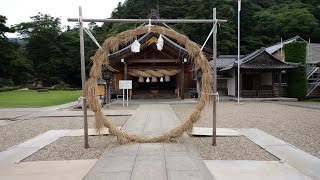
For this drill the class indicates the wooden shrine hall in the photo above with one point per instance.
(166, 73)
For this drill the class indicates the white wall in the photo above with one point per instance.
(232, 84)
(266, 79)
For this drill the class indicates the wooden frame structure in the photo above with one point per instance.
(214, 21)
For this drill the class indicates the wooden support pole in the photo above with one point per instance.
(182, 81)
(125, 71)
(279, 87)
(83, 78)
(214, 67)
(197, 21)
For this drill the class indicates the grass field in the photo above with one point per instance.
(31, 98)
(313, 100)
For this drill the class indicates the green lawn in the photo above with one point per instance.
(313, 100)
(31, 98)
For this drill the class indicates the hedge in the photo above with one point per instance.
(297, 79)
(3, 89)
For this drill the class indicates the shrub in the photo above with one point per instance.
(3, 89)
(6, 82)
(61, 85)
(297, 79)
(318, 64)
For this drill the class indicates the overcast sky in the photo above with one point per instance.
(18, 11)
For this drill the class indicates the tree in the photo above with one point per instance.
(3, 27)
(42, 34)
(286, 20)
(297, 79)
(14, 65)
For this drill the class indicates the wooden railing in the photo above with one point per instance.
(257, 93)
(265, 93)
(249, 93)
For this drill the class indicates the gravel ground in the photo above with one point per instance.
(231, 148)
(21, 131)
(296, 125)
(71, 148)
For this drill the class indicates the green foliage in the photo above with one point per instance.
(14, 64)
(3, 89)
(313, 100)
(297, 80)
(3, 27)
(50, 55)
(287, 20)
(31, 98)
(42, 48)
(6, 82)
(62, 85)
(318, 64)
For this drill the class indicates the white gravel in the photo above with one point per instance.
(295, 125)
(230, 148)
(71, 148)
(21, 131)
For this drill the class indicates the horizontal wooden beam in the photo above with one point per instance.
(152, 60)
(197, 21)
(153, 67)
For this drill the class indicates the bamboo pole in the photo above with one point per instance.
(83, 79)
(197, 21)
(214, 67)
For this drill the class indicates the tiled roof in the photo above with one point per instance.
(261, 59)
(225, 60)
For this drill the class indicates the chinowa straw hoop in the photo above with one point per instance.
(111, 45)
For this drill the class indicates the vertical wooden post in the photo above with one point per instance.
(198, 88)
(125, 71)
(125, 78)
(83, 78)
(279, 87)
(182, 80)
(214, 68)
(108, 94)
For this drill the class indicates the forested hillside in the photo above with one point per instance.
(51, 54)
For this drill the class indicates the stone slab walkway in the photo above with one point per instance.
(19, 152)
(258, 170)
(306, 163)
(15, 114)
(150, 161)
(221, 132)
(48, 170)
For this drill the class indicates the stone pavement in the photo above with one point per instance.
(19, 152)
(11, 115)
(48, 170)
(154, 160)
(257, 170)
(306, 163)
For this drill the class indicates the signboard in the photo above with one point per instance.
(125, 84)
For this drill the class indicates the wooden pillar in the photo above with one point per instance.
(240, 86)
(279, 87)
(236, 83)
(108, 94)
(214, 58)
(83, 78)
(125, 71)
(182, 81)
(198, 87)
